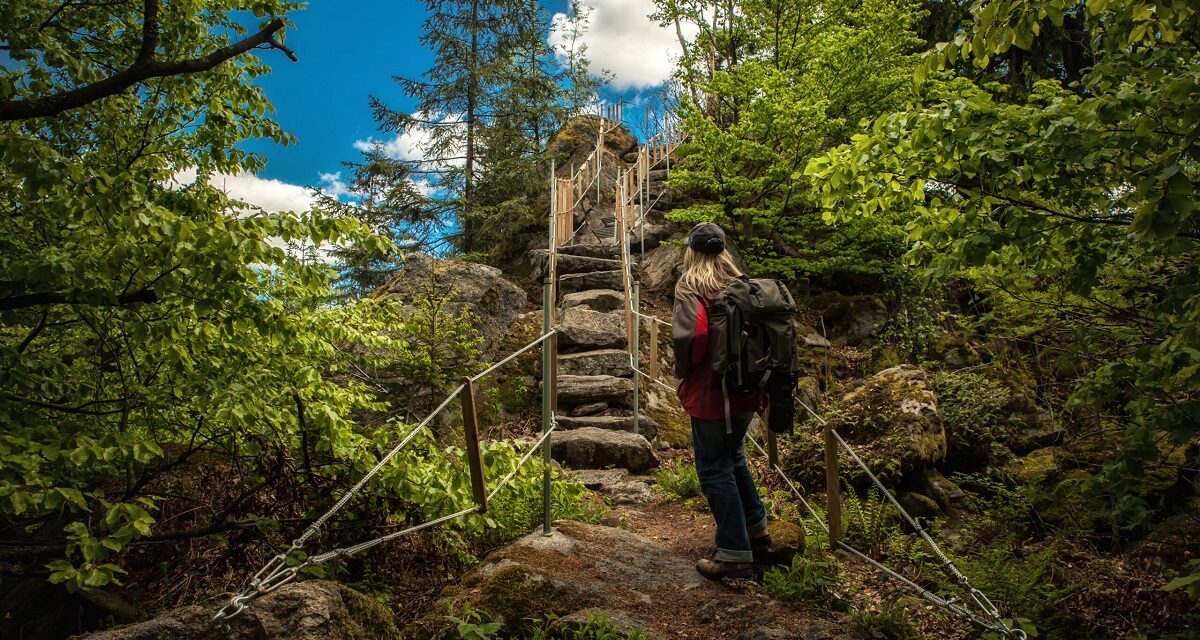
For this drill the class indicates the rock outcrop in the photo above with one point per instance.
(493, 300)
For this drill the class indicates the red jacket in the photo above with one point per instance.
(700, 399)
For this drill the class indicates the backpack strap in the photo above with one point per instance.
(728, 418)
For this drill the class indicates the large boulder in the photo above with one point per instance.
(593, 448)
(314, 610)
(481, 289)
(890, 419)
(572, 144)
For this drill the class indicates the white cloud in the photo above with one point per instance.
(620, 38)
(270, 195)
(333, 186)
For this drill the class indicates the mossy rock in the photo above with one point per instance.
(674, 426)
(891, 419)
(952, 351)
(786, 534)
(1033, 468)
(513, 595)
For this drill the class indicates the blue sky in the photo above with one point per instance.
(350, 50)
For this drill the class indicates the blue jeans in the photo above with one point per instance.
(726, 483)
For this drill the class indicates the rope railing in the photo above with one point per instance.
(276, 572)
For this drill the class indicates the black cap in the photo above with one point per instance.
(707, 237)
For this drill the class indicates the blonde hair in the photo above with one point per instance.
(705, 274)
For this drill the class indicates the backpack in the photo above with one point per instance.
(752, 346)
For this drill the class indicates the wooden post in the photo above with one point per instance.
(471, 434)
(833, 493)
(654, 350)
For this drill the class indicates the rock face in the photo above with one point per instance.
(494, 301)
(850, 319)
(314, 610)
(594, 448)
(890, 419)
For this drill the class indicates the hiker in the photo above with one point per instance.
(719, 420)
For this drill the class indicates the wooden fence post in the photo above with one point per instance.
(833, 484)
(471, 433)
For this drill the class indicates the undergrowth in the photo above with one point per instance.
(679, 480)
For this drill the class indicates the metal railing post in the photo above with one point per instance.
(833, 491)
(471, 435)
(633, 353)
(549, 390)
(653, 365)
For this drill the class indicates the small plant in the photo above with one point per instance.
(680, 481)
(870, 522)
(809, 578)
(886, 622)
(472, 627)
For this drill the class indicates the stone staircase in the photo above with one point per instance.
(595, 386)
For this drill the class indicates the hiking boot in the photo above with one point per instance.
(717, 569)
(761, 547)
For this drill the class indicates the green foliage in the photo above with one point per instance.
(779, 99)
(888, 621)
(1188, 582)
(869, 522)
(147, 318)
(808, 579)
(471, 626)
(679, 480)
(1071, 211)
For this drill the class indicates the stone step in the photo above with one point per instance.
(581, 329)
(575, 282)
(592, 448)
(577, 390)
(602, 362)
(595, 300)
(567, 263)
(591, 251)
(646, 425)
